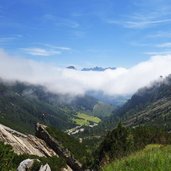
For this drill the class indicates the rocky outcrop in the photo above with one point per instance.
(27, 144)
(42, 133)
(24, 144)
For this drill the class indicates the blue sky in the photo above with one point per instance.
(86, 32)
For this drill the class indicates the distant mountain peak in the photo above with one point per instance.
(97, 69)
(71, 67)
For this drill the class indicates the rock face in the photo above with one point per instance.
(22, 143)
(42, 133)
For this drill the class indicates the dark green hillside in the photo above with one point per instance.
(21, 106)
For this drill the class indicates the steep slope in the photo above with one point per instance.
(150, 105)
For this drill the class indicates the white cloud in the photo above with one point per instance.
(139, 24)
(6, 40)
(46, 50)
(160, 35)
(155, 53)
(59, 80)
(63, 48)
(164, 45)
(41, 51)
(145, 15)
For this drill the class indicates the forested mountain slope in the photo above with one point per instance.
(23, 105)
(150, 105)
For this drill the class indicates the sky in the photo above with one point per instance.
(40, 38)
(86, 33)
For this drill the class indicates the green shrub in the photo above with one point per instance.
(123, 141)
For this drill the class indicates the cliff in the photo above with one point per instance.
(24, 144)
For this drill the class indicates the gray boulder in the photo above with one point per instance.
(25, 165)
(28, 163)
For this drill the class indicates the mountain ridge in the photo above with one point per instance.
(96, 68)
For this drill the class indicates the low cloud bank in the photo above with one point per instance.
(121, 81)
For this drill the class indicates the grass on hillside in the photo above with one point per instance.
(152, 158)
(84, 119)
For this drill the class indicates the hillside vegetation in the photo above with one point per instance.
(146, 119)
(27, 104)
(153, 158)
(123, 141)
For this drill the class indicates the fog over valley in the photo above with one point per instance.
(121, 81)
